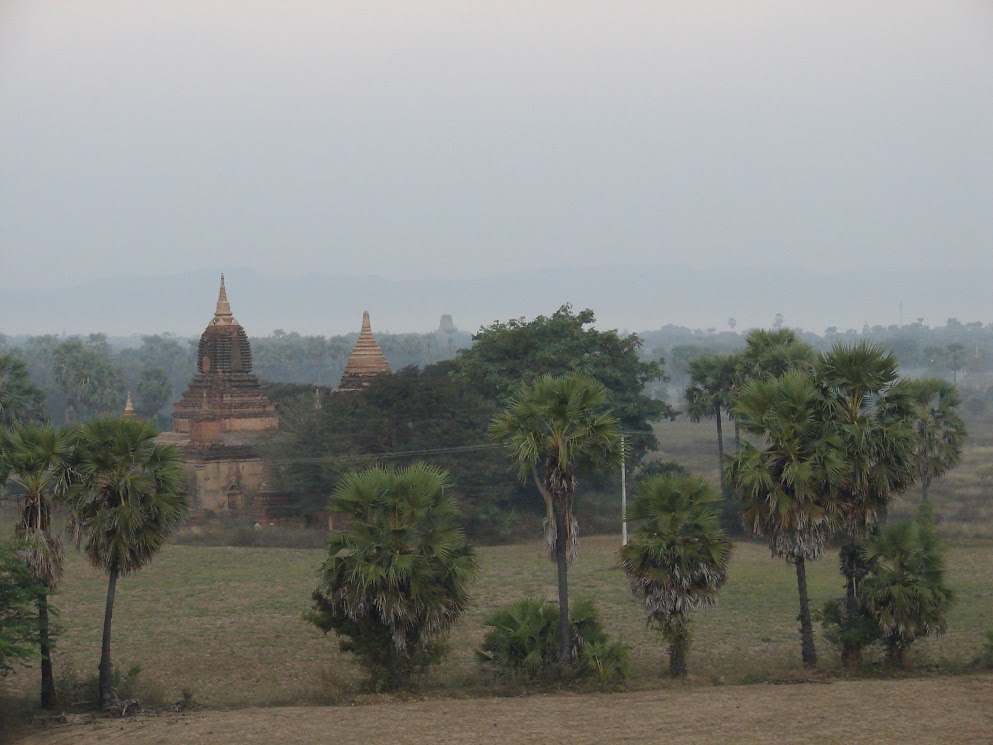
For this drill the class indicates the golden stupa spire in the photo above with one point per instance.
(129, 411)
(223, 313)
(366, 360)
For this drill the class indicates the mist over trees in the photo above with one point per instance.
(85, 376)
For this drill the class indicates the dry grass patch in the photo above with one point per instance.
(912, 712)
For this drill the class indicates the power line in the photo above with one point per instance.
(377, 456)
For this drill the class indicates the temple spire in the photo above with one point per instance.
(365, 362)
(129, 412)
(223, 312)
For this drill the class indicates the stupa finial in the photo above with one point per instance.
(223, 312)
(366, 324)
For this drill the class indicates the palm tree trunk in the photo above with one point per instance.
(720, 449)
(561, 561)
(852, 567)
(47, 678)
(807, 650)
(894, 653)
(679, 644)
(106, 680)
(925, 483)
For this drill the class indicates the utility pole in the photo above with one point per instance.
(624, 496)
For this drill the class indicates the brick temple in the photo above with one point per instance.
(218, 420)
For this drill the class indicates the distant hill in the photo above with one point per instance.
(624, 297)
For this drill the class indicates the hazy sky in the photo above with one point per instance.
(466, 138)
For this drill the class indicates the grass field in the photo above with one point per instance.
(225, 623)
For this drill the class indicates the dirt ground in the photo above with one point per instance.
(908, 711)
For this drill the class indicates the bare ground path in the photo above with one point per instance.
(908, 711)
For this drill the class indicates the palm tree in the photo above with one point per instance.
(786, 481)
(678, 559)
(21, 400)
(712, 378)
(35, 458)
(127, 499)
(560, 425)
(940, 429)
(872, 415)
(397, 576)
(905, 588)
(772, 353)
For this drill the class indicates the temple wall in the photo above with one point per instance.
(210, 483)
(259, 424)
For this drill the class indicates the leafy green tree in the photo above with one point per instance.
(154, 391)
(787, 480)
(426, 411)
(870, 411)
(556, 428)
(940, 429)
(36, 461)
(126, 499)
(20, 399)
(905, 587)
(93, 385)
(677, 560)
(19, 596)
(505, 355)
(398, 575)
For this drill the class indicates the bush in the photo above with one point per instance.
(230, 531)
(845, 633)
(522, 645)
(19, 593)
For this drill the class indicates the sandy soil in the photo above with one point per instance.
(929, 710)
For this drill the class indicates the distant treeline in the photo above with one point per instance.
(87, 375)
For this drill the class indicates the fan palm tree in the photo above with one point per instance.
(787, 480)
(556, 428)
(905, 587)
(678, 559)
(712, 378)
(127, 499)
(35, 459)
(771, 353)
(872, 414)
(397, 576)
(940, 429)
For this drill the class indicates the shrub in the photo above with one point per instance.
(19, 593)
(905, 587)
(522, 644)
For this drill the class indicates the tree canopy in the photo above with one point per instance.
(20, 399)
(426, 412)
(506, 354)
